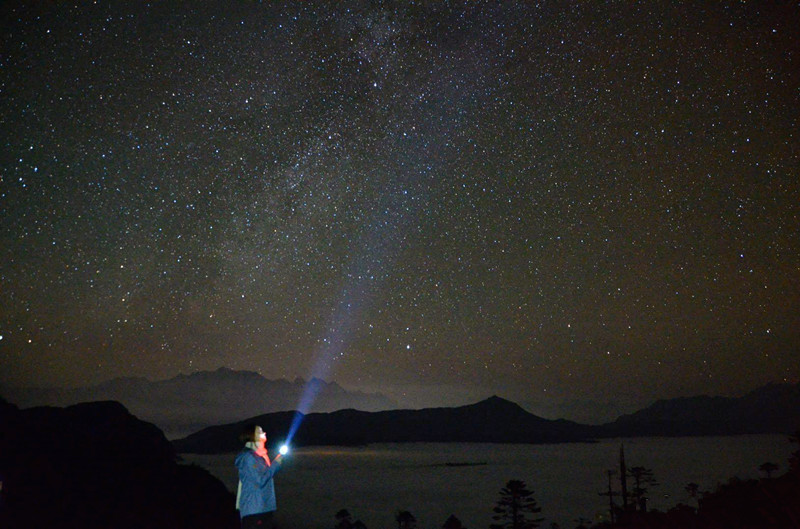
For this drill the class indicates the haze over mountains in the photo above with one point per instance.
(771, 409)
(187, 403)
(190, 403)
(494, 420)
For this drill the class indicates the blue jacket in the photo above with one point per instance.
(258, 487)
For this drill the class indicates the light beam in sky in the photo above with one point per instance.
(360, 286)
(372, 264)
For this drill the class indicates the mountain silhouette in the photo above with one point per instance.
(494, 420)
(774, 408)
(187, 403)
(771, 409)
(214, 404)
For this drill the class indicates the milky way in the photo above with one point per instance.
(552, 201)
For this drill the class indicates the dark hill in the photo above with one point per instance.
(97, 466)
(770, 409)
(493, 420)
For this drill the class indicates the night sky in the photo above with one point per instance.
(578, 206)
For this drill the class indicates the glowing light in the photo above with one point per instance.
(284, 450)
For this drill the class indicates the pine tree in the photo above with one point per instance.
(768, 468)
(794, 459)
(514, 507)
(453, 523)
(694, 491)
(643, 479)
(343, 520)
(405, 520)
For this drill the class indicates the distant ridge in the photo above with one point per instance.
(190, 403)
(187, 403)
(771, 409)
(494, 420)
(774, 408)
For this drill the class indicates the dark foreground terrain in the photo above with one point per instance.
(95, 465)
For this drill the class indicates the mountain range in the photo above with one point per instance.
(493, 420)
(202, 401)
(187, 403)
(774, 408)
(771, 409)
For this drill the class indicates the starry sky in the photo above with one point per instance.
(579, 206)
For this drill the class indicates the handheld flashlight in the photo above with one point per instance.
(284, 449)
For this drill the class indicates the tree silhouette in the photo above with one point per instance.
(405, 520)
(453, 523)
(768, 468)
(794, 459)
(583, 523)
(343, 520)
(693, 489)
(642, 480)
(610, 493)
(516, 503)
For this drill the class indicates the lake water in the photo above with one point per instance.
(433, 481)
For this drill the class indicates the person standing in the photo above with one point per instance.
(255, 497)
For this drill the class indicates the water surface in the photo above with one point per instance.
(434, 480)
